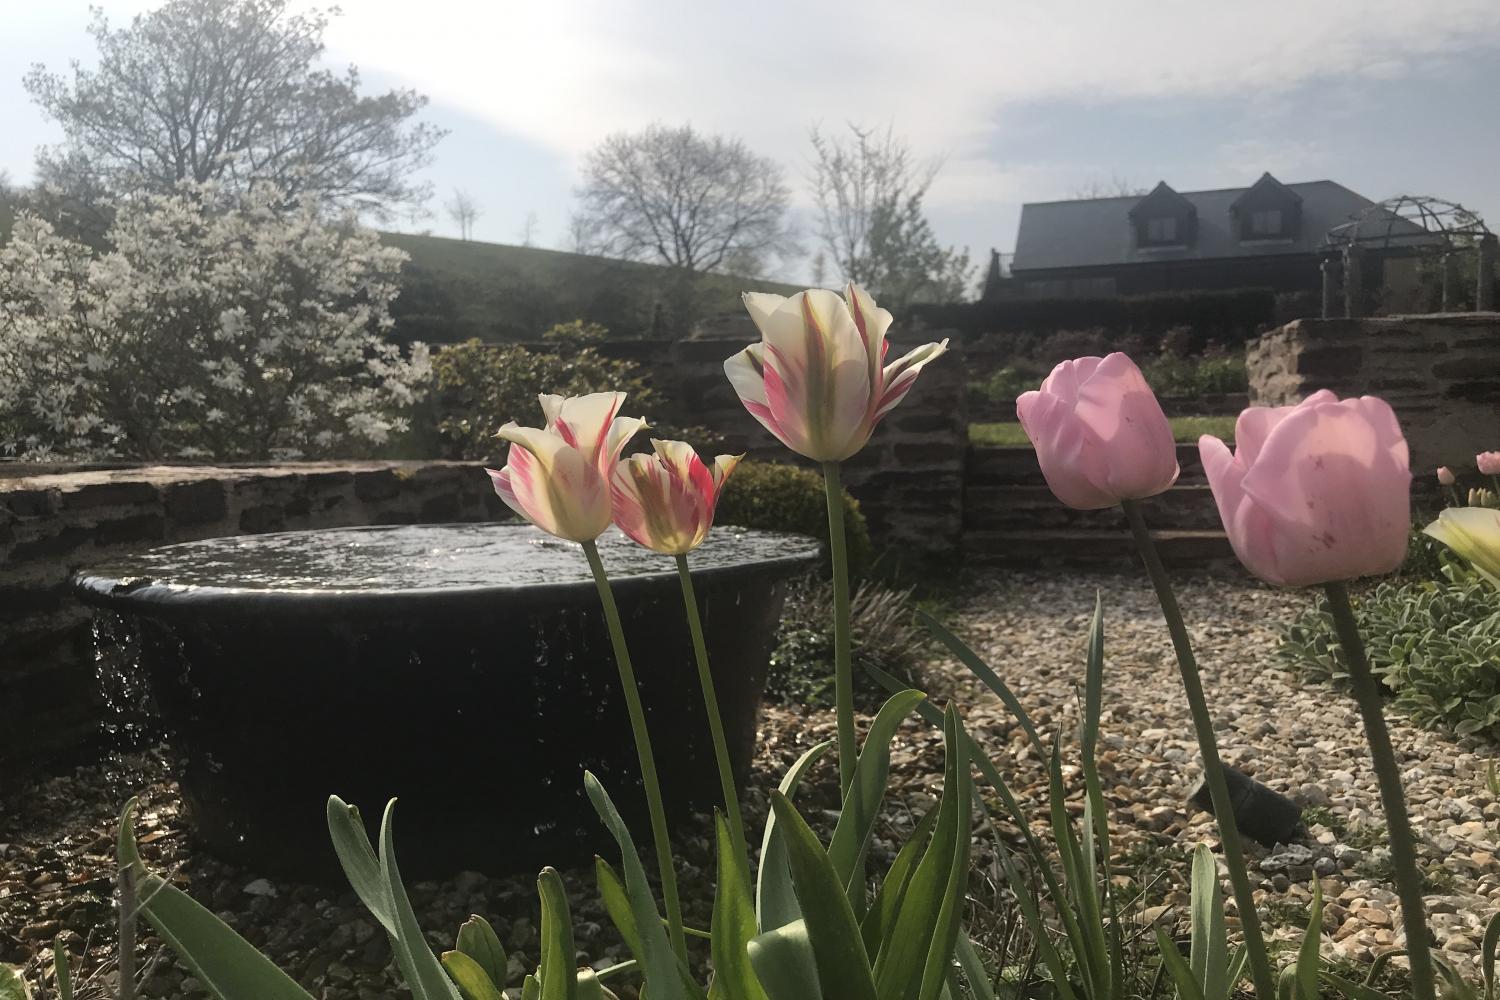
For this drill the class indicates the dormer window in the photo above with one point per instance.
(1265, 223)
(1162, 229)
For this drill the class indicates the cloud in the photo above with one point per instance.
(565, 73)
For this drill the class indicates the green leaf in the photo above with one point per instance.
(559, 967)
(843, 966)
(1210, 943)
(1488, 948)
(424, 973)
(775, 900)
(784, 964)
(531, 989)
(357, 857)
(658, 963)
(851, 835)
(1308, 959)
(879, 922)
(975, 973)
(12, 986)
(982, 670)
(227, 965)
(617, 905)
(733, 925)
(1349, 990)
(61, 971)
(472, 979)
(926, 927)
(1187, 982)
(478, 940)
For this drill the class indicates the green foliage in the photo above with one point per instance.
(1434, 644)
(12, 986)
(1186, 430)
(1175, 375)
(776, 497)
(883, 633)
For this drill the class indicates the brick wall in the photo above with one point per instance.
(53, 522)
(1440, 372)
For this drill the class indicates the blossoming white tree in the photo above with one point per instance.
(220, 326)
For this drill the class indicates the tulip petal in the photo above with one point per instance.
(1067, 377)
(900, 375)
(872, 322)
(1129, 432)
(585, 421)
(761, 306)
(724, 466)
(1255, 424)
(746, 373)
(1060, 440)
(621, 430)
(817, 375)
(1474, 534)
(1333, 478)
(1247, 526)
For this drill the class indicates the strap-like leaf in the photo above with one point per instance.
(62, 973)
(1209, 950)
(361, 866)
(1181, 973)
(12, 986)
(856, 821)
(424, 973)
(784, 964)
(617, 905)
(843, 966)
(980, 987)
(473, 982)
(1308, 959)
(983, 671)
(658, 963)
(559, 968)
(1488, 949)
(478, 940)
(733, 925)
(227, 965)
(775, 901)
(879, 922)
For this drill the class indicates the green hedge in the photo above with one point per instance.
(1230, 316)
(777, 497)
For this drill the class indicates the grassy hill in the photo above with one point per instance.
(456, 289)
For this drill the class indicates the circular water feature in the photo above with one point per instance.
(462, 668)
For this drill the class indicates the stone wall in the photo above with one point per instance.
(52, 523)
(1440, 372)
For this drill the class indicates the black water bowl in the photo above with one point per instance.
(464, 669)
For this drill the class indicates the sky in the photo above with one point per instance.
(1019, 100)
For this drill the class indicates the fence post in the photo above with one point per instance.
(1354, 284)
(1484, 291)
(1330, 285)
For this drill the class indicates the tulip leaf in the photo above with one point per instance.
(425, 977)
(473, 982)
(1209, 951)
(478, 940)
(986, 674)
(977, 976)
(920, 949)
(357, 857)
(617, 905)
(1183, 976)
(851, 836)
(1308, 958)
(228, 966)
(838, 951)
(733, 925)
(880, 920)
(784, 964)
(12, 986)
(61, 971)
(658, 962)
(531, 989)
(559, 969)
(775, 900)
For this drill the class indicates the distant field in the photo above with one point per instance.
(453, 290)
(1186, 430)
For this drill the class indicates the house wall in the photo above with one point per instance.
(1283, 273)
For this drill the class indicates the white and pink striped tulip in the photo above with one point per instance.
(666, 500)
(557, 476)
(818, 378)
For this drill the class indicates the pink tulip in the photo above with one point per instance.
(1099, 433)
(557, 477)
(1314, 493)
(1445, 476)
(817, 380)
(665, 501)
(1488, 462)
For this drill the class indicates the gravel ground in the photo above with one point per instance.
(1305, 741)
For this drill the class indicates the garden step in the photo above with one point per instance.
(1006, 507)
(1195, 548)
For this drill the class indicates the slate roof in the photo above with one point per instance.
(1097, 231)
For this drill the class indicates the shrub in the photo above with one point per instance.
(219, 326)
(777, 497)
(1174, 375)
(1435, 645)
(480, 386)
(883, 633)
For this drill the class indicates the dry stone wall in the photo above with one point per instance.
(1440, 372)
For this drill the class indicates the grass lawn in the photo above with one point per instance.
(1186, 430)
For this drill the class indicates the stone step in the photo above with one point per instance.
(1017, 507)
(1048, 548)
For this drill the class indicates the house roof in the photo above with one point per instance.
(1097, 231)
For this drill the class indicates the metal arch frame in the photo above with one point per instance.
(1435, 217)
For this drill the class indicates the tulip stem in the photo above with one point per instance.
(843, 669)
(715, 721)
(1366, 690)
(659, 830)
(1213, 767)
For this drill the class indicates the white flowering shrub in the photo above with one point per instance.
(218, 326)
